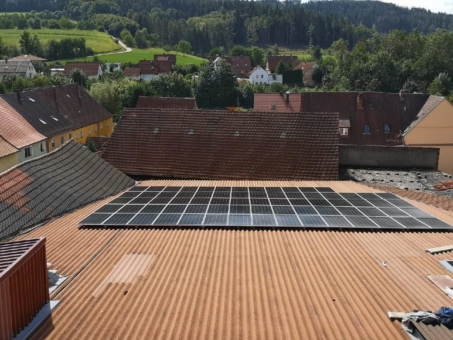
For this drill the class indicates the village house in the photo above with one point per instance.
(92, 70)
(261, 76)
(242, 66)
(273, 60)
(22, 69)
(307, 69)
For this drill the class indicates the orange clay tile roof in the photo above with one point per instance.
(225, 145)
(15, 129)
(276, 102)
(6, 148)
(166, 103)
(304, 66)
(132, 72)
(225, 284)
(58, 182)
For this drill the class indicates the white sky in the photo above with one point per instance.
(433, 5)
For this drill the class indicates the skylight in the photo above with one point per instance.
(54, 118)
(42, 121)
(31, 99)
(68, 96)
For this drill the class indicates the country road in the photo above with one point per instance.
(123, 45)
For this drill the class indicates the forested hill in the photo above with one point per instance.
(384, 16)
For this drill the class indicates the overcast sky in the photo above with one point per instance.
(433, 5)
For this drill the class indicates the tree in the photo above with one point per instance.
(258, 56)
(184, 47)
(91, 145)
(140, 38)
(441, 85)
(216, 51)
(171, 85)
(216, 86)
(317, 75)
(66, 24)
(106, 94)
(127, 38)
(282, 67)
(77, 76)
(238, 51)
(317, 53)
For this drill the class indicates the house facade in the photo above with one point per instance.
(242, 66)
(23, 69)
(259, 76)
(307, 69)
(433, 127)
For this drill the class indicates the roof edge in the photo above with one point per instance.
(409, 128)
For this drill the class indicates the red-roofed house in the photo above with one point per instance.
(273, 60)
(132, 73)
(242, 66)
(307, 71)
(92, 70)
(167, 103)
(166, 57)
(148, 69)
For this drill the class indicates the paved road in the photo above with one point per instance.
(123, 45)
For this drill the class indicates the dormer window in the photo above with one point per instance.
(344, 131)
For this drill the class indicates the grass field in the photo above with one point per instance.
(99, 42)
(137, 54)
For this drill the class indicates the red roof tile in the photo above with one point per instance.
(240, 64)
(166, 57)
(89, 68)
(15, 129)
(74, 103)
(272, 61)
(376, 110)
(166, 103)
(132, 72)
(304, 66)
(225, 145)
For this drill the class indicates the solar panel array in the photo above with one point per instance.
(289, 207)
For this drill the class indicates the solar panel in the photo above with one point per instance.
(291, 207)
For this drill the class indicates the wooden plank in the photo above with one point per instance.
(439, 249)
(396, 315)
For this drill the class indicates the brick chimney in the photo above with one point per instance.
(360, 101)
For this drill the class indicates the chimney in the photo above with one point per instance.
(6, 60)
(402, 95)
(19, 96)
(287, 96)
(360, 101)
(281, 93)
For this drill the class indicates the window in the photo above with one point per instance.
(387, 128)
(108, 123)
(245, 65)
(53, 144)
(77, 135)
(62, 139)
(344, 131)
(41, 146)
(81, 134)
(27, 152)
(89, 130)
(366, 129)
(101, 126)
(95, 128)
(261, 76)
(70, 136)
(256, 76)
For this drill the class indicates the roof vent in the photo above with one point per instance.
(66, 116)
(156, 130)
(283, 135)
(54, 118)
(42, 121)
(272, 106)
(191, 132)
(236, 134)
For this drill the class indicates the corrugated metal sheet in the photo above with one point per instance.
(212, 284)
(24, 287)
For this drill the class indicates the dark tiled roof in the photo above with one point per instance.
(377, 109)
(240, 63)
(53, 184)
(154, 66)
(226, 145)
(44, 118)
(131, 72)
(166, 103)
(75, 104)
(89, 68)
(13, 67)
(272, 60)
(430, 104)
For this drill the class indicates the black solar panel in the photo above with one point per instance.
(292, 207)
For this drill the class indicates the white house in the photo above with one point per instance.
(112, 67)
(24, 69)
(259, 76)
